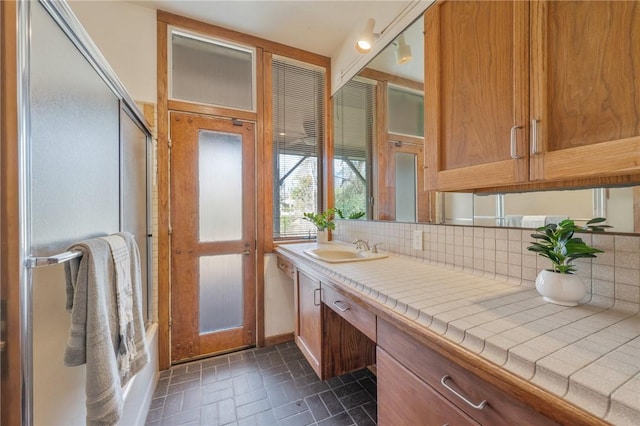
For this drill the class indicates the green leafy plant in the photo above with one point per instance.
(557, 243)
(354, 215)
(323, 220)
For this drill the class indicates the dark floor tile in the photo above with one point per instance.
(370, 386)
(253, 408)
(192, 399)
(331, 402)
(265, 418)
(249, 397)
(217, 395)
(186, 377)
(348, 389)
(306, 380)
(360, 417)
(311, 389)
(290, 409)
(335, 382)
(178, 370)
(277, 396)
(172, 405)
(182, 418)
(226, 412)
(372, 410)
(296, 369)
(165, 374)
(161, 388)
(265, 350)
(208, 375)
(209, 415)
(355, 399)
(317, 407)
(181, 387)
(341, 419)
(263, 361)
(194, 367)
(347, 378)
(301, 419)
(157, 403)
(360, 374)
(218, 385)
(247, 383)
(223, 371)
(276, 358)
(154, 415)
(243, 367)
(215, 361)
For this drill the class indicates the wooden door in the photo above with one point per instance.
(309, 319)
(585, 89)
(213, 236)
(476, 94)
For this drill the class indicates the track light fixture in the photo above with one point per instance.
(367, 37)
(403, 50)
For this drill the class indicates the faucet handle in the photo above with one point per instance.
(374, 247)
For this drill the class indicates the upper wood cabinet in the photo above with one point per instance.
(520, 92)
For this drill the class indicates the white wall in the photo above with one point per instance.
(125, 33)
(278, 299)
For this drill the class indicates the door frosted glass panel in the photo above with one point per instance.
(406, 112)
(74, 143)
(405, 187)
(220, 292)
(220, 185)
(205, 72)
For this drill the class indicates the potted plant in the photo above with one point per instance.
(323, 222)
(557, 243)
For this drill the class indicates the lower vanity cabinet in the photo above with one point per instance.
(457, 390)
(405, 400)
(333, 340)
(308, 321)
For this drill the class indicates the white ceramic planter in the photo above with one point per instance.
(561, 289)
(322, 237)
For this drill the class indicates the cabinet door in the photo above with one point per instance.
(476, 92)
(309, 319)
(404, 399)
(585, 89)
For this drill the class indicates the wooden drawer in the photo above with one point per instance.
(404, 399)
(285, 266)
(355, 314)
(500, 409)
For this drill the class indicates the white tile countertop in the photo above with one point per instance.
(588, 355)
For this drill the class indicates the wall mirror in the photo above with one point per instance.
(378, 119)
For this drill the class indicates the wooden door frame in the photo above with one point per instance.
(262, 119)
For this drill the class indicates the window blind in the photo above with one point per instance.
(298, 139)
(354, 113)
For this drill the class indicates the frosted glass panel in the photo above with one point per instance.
(74, 143)
(405, 187)
(220, 292)
(406, 112)
(220, 183)
(202, 71)
(134, 191)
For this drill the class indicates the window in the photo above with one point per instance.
(298, 140)
(207, 71)
(406, 112)
(354, 123)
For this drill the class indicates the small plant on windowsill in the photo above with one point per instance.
(557, 243)
(323, 222)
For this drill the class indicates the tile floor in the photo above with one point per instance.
(262, 387)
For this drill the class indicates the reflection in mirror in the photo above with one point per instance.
(379, 135)
(621, 207)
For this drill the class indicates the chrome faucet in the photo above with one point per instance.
(361, 244)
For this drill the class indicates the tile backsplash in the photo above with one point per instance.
(503, 254)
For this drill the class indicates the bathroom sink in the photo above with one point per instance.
(342, 255)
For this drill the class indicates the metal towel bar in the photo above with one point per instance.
(36, 262)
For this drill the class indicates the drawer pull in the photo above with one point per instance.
(341, 306)
(479, 406)
(316, 292)
(514, 154)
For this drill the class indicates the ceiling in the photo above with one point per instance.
(319, 26)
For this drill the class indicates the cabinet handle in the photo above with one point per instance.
(514, 154)
(534, 137)
(341, 306)
(479, 406)
(316, 292)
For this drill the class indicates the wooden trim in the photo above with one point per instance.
(383, 197)
(433, 131)
(278, 339)
(215, 111)
(391, 79)
(258, 206)
(265, 158)
(246, 39)
(11, 382)
(636, 209)
(164, 239)
(626, 180)
(413, 140)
